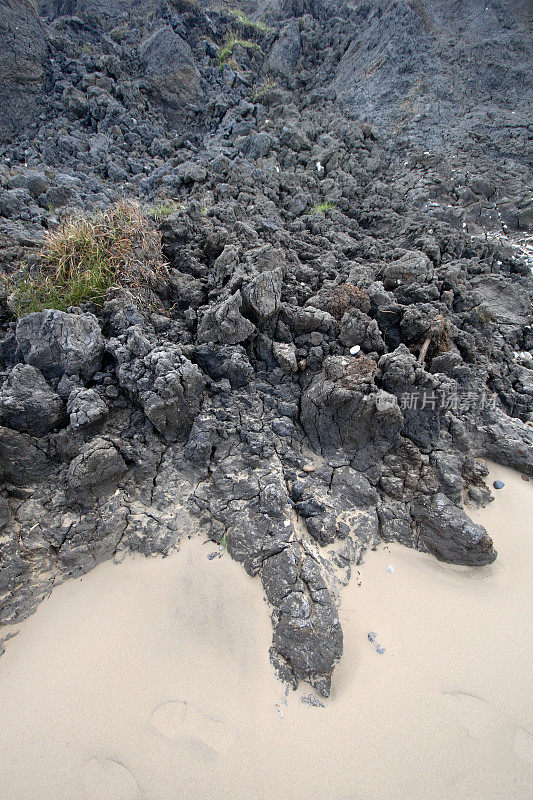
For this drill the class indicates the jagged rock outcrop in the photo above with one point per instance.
(343, 413)
(342, 329)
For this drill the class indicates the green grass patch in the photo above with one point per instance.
(85, 258)
(164, 210)
(245, 22)
(263, 90)
(323, 208)
(225, 50)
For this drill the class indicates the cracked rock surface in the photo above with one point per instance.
(343, 331)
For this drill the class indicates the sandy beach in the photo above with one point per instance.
(151, 679)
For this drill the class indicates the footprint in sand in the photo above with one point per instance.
(473, 713)
(106, 779)
(523, 744)
(177, 719)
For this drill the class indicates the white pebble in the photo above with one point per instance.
(390, 569)
(286, 523)
(354, 350)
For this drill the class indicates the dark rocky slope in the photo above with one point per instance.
(344, 328)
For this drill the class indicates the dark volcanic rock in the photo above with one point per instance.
(21, 461)
(343, 412)
(224, 323)
(170, 68)
(415, 80)
(165, 383)
(342, 328)
(58, 343)
(99, 463)
(23, 55)
(307, 631)
(449, 534)
(27, 403)
(286, 51)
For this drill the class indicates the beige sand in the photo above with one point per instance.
(151, 679)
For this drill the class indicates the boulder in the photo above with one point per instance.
(225, 362)
(285, 355)
(170, 68)
(166, 384)
(449, 534)
(86, 407)
(307, 631)
(413, 267)
(99, 463)
(174, 400)
(262, 295)
(58, 343)
(27, 403)
(224, 323)
(21, 461)
(286, 51)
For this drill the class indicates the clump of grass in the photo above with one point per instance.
(164, 210)
(323, 208)
(246, 22)
(232, 63)
(263, 90)
(86, 257)
(225, 51)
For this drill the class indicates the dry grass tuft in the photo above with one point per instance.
(87, 257)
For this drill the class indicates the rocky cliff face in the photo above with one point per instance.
(342, 329)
